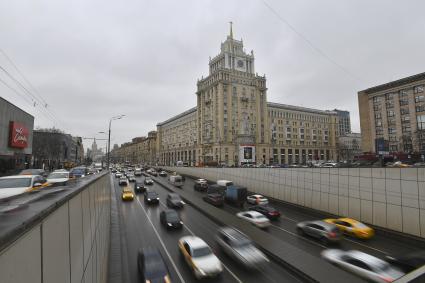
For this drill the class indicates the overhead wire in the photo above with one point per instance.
(313, 46)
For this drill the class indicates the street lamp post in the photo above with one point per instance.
(109, 136)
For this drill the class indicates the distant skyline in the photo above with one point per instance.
(91, 60)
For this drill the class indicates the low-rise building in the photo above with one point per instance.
(349, 146)
(16, 138)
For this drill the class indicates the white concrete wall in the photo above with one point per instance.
(70, 245)
(392, 198)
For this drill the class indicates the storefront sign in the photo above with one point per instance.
(18, 135)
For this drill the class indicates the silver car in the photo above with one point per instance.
(238, 246)
(362, 264)
(325, 232)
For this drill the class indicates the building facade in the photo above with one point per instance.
(16, 138)
(233, 123)
(54, 149)
(344, 122)
(349, 146)
(394, 113)
(141, 150)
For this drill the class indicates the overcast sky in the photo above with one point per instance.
(91, 60)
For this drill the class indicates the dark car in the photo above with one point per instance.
(174, 200)
(131, 178)
(170, 219)
(151, 197)
(408, 262)
(139, 187)
(324, 231)
(214, 199)
(152, 266)
(200, 185)
(267, 210)
(153, 173)
(78, 172)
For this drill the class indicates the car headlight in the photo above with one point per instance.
(182, 202)
(181, 222)
(157, 198)
(149, 199)
(169, 224)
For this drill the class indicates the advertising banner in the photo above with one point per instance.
(246, 154)
(18, 135)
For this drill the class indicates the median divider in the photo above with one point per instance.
(304, 265)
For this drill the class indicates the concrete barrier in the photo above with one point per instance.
(391, 198)
(66, 241)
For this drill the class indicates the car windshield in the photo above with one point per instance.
(57, 175)
(175, 197)
(258, 216)
(203, 251)
(360, 225)
(15, 183)
(152, 194)
(78, 171)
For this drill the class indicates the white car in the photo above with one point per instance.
(255, 218)
(369, 267)
(257, 199)
(118, 174)
(58, 178)
(15, 185)
(199, 257)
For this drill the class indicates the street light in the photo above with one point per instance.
(109, 136)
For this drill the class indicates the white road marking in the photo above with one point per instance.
(300, 237)
(366, 246)
(193, 234)
(162, 243)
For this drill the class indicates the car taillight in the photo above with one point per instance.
(386, 279)
(332, 234)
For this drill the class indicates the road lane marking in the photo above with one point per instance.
(193, 234)
(366, 246)
(300, 237)
(162, 243)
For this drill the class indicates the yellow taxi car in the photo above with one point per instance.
(127, 194)
(353, 227)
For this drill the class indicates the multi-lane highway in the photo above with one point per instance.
(141, 228)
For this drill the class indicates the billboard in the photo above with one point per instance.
(382, 146)
(246, 154)
(18, 135)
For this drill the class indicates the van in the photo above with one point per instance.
(216, 189)
(176, 180)
(236, 195)
(224, 183)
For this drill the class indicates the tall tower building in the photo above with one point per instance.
(232, 115)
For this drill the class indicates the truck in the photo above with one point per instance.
(236, 195)
(176, 180)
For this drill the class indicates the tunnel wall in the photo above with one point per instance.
(69, 245)
(392, 198)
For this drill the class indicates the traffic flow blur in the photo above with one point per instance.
(257, 210)
(33, 180)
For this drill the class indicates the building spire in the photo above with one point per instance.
(231, 30)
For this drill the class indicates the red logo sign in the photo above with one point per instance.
(18, 135)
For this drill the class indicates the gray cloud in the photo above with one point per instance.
(91, 60)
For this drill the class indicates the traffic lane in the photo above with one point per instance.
(170, 239)
(380, 245)
(202, 226)
(138, 234)
(310, 265)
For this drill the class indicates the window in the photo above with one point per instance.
(377, 115)
(406, 128)
(404, 111)
(421, 122)
(420, 108)
(389, 96)
(378, 123)
(390, 113)
(391, 130)
(404, 101)
(418, 89)
(419, 98)
(403, 93)
(376, 99)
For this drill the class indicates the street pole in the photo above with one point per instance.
(109, 144)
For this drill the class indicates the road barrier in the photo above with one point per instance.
(62, 237)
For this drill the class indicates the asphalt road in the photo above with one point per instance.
(141, 228)
(380, 245)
